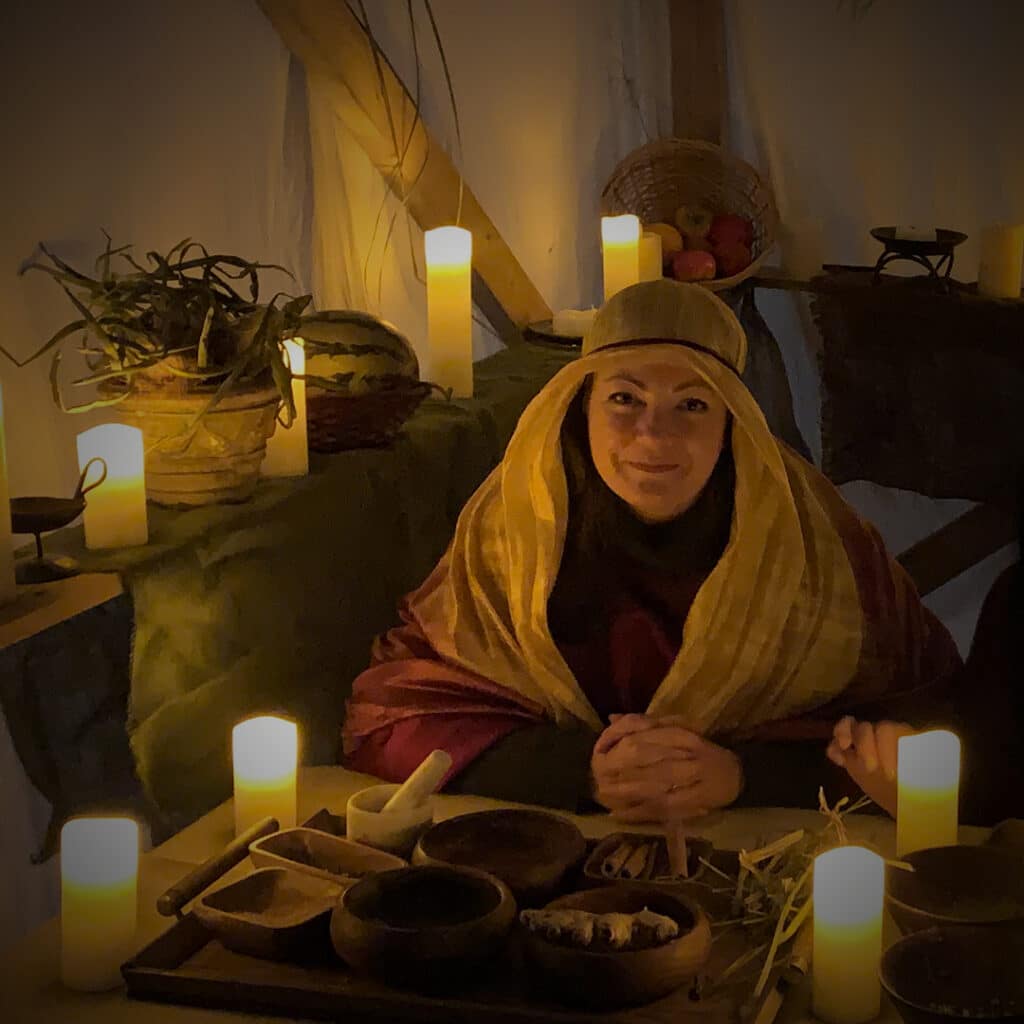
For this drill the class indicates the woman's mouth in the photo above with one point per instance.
(653, 467)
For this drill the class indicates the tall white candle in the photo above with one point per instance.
(449, 256)
(849, 888)
(288, 449)
(99, 863)
(115, 512)
(265, 753)
(1002, 256)
(650, 256)
(928, 780)
(7, 589)
(620, 252)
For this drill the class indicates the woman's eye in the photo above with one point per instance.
(622, 398)
(694, 405)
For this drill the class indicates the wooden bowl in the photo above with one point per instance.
(957, 885)
(423, 927)
(530, 851)
(310, 852)
(628, 978)
(273, 914)
(955, 973)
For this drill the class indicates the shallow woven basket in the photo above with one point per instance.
(656, 179)
(337, 421)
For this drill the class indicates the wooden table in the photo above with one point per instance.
(30, 974)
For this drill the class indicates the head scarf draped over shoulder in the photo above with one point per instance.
(775, 629)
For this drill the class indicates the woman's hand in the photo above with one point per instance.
(655, 769)
(868, 750)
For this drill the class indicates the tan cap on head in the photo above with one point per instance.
(669, 311)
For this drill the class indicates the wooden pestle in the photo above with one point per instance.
(424, 780)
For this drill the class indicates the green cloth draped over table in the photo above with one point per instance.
(272, 605)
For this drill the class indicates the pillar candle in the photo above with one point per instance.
(7, 590)
(115, 512)
(620, 252)
(265, 753)
(650, 256)
(928, 779)
(99, 863)
(1002, 253)
(288, 448)
(849, 887)
(449, 254)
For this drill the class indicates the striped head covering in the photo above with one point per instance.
(776, 628)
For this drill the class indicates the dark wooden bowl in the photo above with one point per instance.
(324, 856)
(957, 885)
(273, 914)
(612, 979)
(423, 927)
(957, 973)
(530, 851)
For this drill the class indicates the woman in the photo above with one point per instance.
(652, 602)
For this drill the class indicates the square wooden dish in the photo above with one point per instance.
(320, 855)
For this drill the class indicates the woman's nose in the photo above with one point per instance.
(657, 423)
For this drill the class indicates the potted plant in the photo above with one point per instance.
(183, 349)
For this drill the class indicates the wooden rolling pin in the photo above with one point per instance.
(423, 781)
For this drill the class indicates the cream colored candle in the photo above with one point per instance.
(449, 253)
(7, 587)
(1002, 255)
(115, 512)
(650, 256)
(849, 888)
(99, 866)
(620, 252)
(265, 751)
(288, 448)
(928, 777)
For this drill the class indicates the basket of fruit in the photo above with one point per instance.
(715, 214)
(362, 380)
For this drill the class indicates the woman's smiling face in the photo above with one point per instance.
(656, 430)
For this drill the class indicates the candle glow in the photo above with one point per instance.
(115, 511)
(1002, 256)
(849, 889)
(620, 252)
(265, 754)
(449, 257)
(99, 861)
(288, 449)
(928, 776)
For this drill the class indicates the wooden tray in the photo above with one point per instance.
(187, 964)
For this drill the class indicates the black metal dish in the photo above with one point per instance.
(918, 251)
(37, 516)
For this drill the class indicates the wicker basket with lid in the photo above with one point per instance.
(656, 179)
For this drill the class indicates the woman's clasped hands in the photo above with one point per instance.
(655, 769)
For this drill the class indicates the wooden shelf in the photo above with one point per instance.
(40, 606)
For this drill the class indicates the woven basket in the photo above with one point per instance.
(337, 421)
(656, 179)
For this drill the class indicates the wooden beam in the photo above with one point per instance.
(699, 85)
(951, 550)
(376, 107)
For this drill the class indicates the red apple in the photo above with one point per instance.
(732, 257)
(731, 227)
(693, 265)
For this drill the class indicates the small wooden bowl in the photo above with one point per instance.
(423, 927)
(310, 852)
(955, 973)
(957, 885)
(530, 851)
(628, 978)
(273, 914)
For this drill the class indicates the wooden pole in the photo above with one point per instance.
(699, 85)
